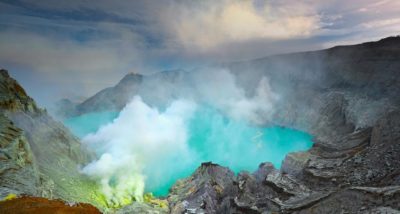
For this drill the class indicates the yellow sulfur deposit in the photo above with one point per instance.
(9, 197)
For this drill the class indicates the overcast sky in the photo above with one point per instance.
(74, 48)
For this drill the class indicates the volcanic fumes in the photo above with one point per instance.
(146, 148)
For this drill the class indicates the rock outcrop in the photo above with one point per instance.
(205, 191)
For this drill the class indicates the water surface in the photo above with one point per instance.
(213, 137)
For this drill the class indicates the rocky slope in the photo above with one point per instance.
(39, 156)
(330, 93)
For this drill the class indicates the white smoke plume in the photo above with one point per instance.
(146, 143)
(218, 87)
(140, 137)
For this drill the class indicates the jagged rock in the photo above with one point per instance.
(286, 184)
(263, 170)
(254, 195)
(203, 191)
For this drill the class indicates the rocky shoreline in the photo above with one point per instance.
(363, 178)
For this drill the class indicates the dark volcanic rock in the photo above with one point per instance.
(203, 191)
(360, 175)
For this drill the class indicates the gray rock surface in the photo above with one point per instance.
(19, 173)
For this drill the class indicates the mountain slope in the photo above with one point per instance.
(39, 156)
(116, 97)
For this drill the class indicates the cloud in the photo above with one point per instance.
(48, 55)
(208, 24)
(218, 88)
(382, 23)
(85, 65)
(106, 39)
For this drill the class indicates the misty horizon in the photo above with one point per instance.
(46, 45)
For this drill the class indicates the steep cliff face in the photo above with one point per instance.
(39, 156)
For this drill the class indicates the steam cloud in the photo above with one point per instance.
(217, 87)
(131, 148)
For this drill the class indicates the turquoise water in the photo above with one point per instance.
(240, 145)
(89, 123)
(212, 137)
